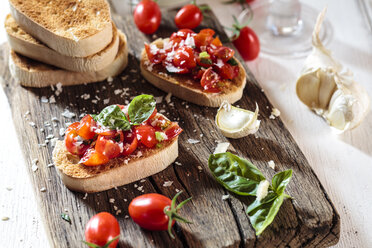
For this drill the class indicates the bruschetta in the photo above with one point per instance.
(120, 145)
(195, 67)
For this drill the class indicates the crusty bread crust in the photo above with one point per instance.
(116, 172)
(31, 73)
(188, 89)
(72, 28)
(26, 45)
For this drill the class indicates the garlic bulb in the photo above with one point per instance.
(329, 91)
(236, 122)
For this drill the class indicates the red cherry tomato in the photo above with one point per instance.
(210, 81)
(87, 128)
(184, 58)
(107, 147)
(132, 143)
(228, 71)
(146, 135)
(72, 142)
(173, 130)
(148, 211)
(101, 229)
(204, 37)
(93, 158)
(189, 16)
(147, 16)
(247, 44)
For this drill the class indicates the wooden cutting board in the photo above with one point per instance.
(309, 220)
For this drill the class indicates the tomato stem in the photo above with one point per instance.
(171, 212)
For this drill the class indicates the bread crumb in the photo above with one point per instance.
(225, 197)
(200, 168)
(115, 208)
(168, 97)
(85, 96)
(106, 101)
(140, 188)
(110, 79)
(52, 99)
(118, 91)
(167, 183)
(118, 212)
(271, 164)
(126, 216)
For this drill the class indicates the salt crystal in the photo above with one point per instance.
(44, 99)
(193, 141)
(167, 183)
(225, 197)
(43, 189)
(68, 114)
(111, 200)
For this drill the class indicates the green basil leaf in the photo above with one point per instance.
(141, 108)
(261, 214)
(232, 62)
(114, 118)
(281, 180)
(235, 174)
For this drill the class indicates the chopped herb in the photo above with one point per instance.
(206, 61)
(204, 55)
(160, 136)
(232, 61)
(66, 217)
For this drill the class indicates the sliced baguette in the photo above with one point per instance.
(26, 45)
(31, 73)
(116, 172)
(184, 87)
(72, 28)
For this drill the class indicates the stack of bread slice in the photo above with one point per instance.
(67, 42)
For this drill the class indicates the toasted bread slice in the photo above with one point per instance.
(31, 73)
(117, 172)
(186, 88)
(26, 45)
(73, 28)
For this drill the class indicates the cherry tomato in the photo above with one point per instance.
(72, 142)
(101, 229)
(148, 211)
(228, 71)
(173, 130)
(184, 58)
(189, 16)
(108, 147)
(247, 43)
(147, 16)
(146, 135)
(87, 127)
(210, 80)
(154, 58)
(223, 53)
(132, 143)
(93, 158)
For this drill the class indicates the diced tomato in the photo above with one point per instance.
(204, 62)
(153, 114)
(223, 53)
(202, 40)
(146, 135)
(156, 58)
(159, 122)
(228, 71)
(216, 42)
(108, 147)
(173, 130)
(182, 34)
(93, 158)
(210, 81)
(184, 58)
(207, 31)
(71, 140)
(87, 128)
(131, 143)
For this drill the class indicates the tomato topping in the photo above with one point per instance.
(207, 31)
(173, 130)
(228, 71)
(72, 142)
(132, 143)
(202, 39)
(87, 127)
(223, 53)
(184, 58)
(216, 42)
(108, 147)
(153, 114)
(154, 58)
(210, 80)
(182, 33)
(146, 135)
(93, 158)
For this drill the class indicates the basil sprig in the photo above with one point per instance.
(241, 177)
(139, 110)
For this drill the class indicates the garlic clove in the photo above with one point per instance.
(328, 91)
(236, 122)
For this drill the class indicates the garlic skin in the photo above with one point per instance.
(329, 91)
(236, 122)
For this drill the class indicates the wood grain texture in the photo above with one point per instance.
(309, 220)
